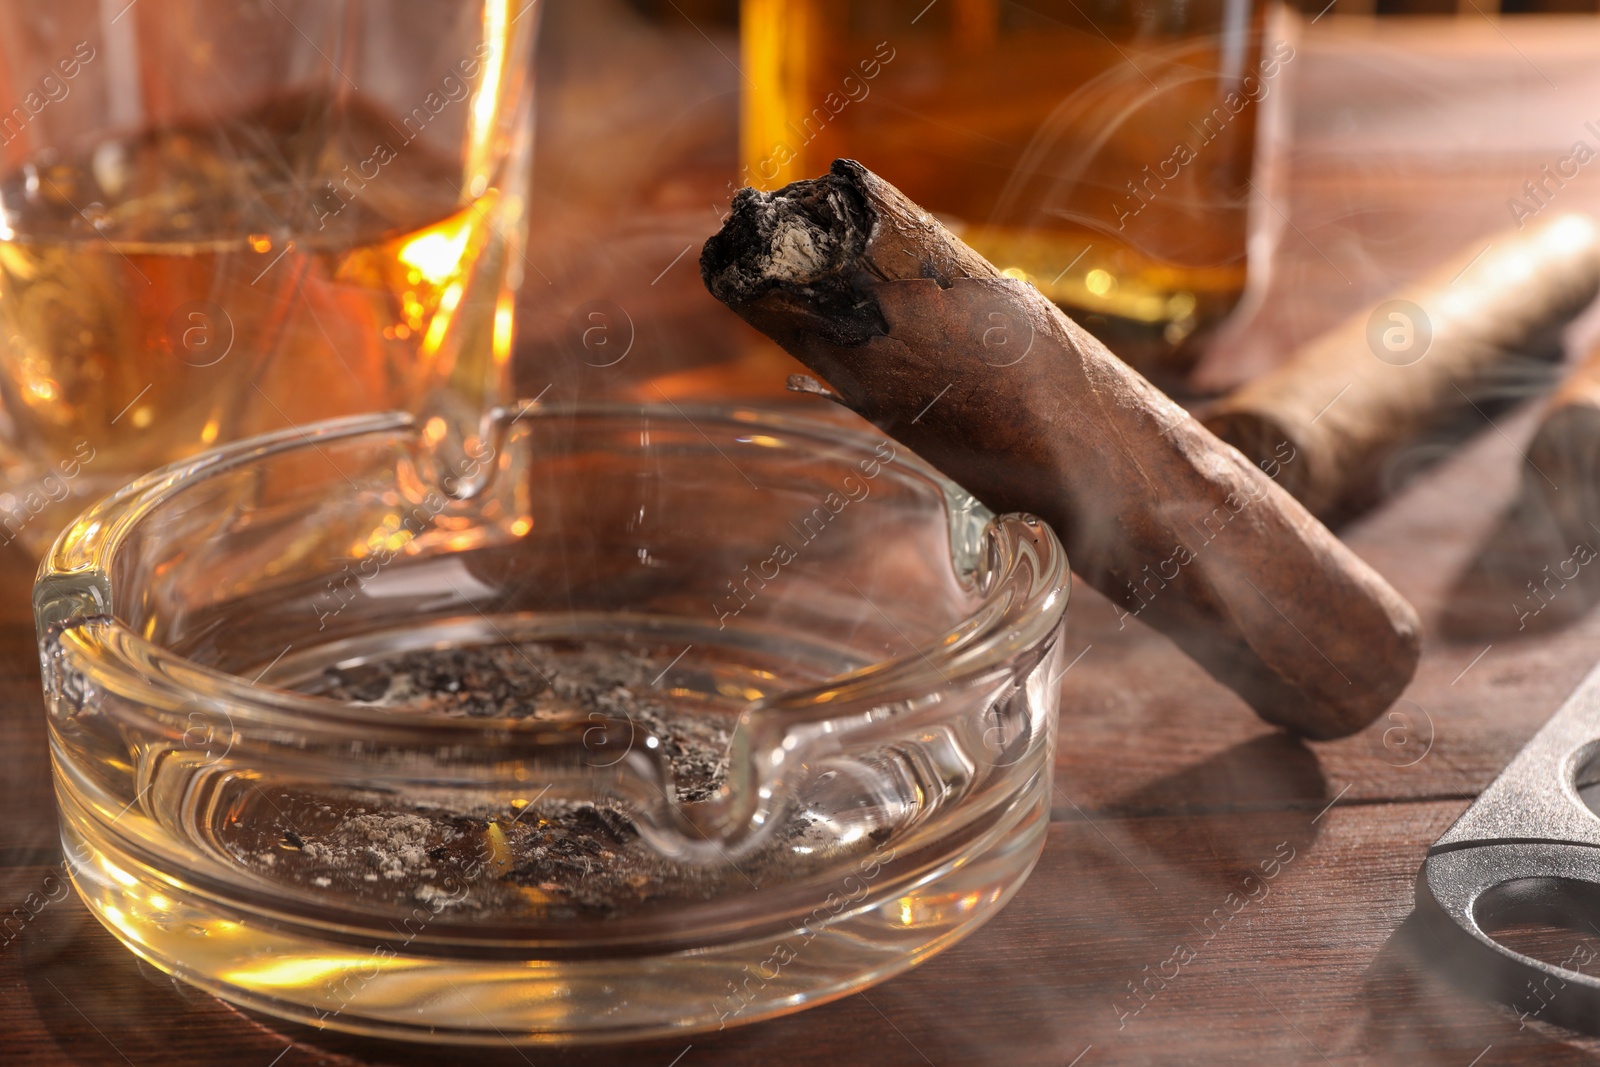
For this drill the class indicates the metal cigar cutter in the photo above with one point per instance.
(1527, 851)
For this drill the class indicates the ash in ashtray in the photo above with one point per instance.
(541, 681)
(559, 859)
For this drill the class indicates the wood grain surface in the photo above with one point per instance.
(1401, 143)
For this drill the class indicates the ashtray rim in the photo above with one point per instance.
(73, 585)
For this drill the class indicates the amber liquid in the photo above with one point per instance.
(1103, 160)
(189, 286)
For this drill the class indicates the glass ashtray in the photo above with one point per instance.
(633, 721)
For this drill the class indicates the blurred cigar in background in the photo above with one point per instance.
(1560, 500)
(1538, 570)
(1330, 417)
(992, 383)
(1564, 456)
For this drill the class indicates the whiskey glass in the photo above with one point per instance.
(868, 658)
(1102, 151)
(222, 217)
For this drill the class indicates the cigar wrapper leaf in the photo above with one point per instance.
(990, 382)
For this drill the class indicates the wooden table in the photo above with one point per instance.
(1403, 142)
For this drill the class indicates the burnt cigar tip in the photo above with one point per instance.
(849, 170)
(798, 235)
